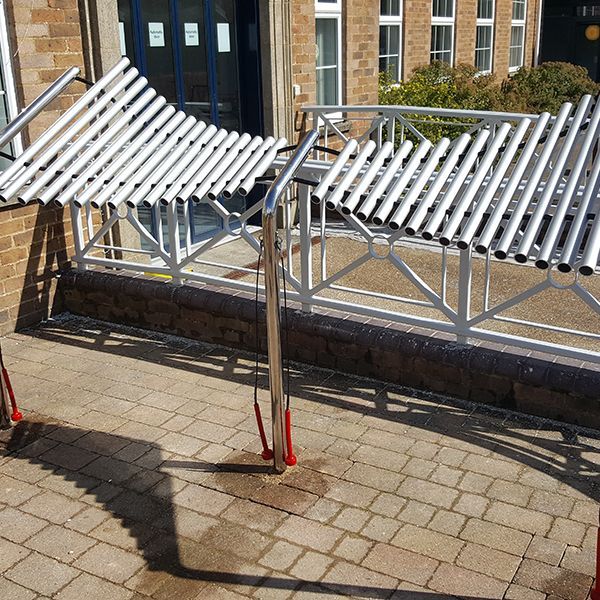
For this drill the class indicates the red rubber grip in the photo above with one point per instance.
(266, 453)
(290, 459)
(16, 415)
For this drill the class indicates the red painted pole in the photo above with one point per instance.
(266, 453)
(290, 459)
(595, 595)
(16, 414)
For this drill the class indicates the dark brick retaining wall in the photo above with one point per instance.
(508, 377)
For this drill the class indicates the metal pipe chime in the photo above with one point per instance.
(273, 309)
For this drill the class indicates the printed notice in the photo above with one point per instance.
(122, 38)
(156, 35)
(223, 43)
(191, 34)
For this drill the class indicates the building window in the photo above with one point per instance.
(328, 28)
(442, 30)
(390, 38)
(484, 40)
(8, 96)
(517, 35)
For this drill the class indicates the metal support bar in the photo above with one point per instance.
(272, 199)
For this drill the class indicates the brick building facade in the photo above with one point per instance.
(268, 60)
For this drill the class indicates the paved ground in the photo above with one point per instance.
(134, 474)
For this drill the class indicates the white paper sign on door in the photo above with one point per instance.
(223, 43)
(156, 35)
(122, 38)
(192, 36)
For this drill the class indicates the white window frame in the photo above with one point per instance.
(395, 21)
(445, 21)
(488, 23)
(333, 11)
(8, 78)
(520, 24)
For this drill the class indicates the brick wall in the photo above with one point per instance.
(465, 32)
(35, 243)
(490, 374)
(417, 34)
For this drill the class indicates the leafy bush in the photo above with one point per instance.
(545, 88)
(438, 85)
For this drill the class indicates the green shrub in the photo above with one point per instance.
(438, 85)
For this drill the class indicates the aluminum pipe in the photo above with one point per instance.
(400, 184)
(263, 165)
(384, 181)
(335, 197)
(418, 185)
(82, 141)
(474, 221)
(584, 153)
(219, 185)
(533, 226)
(29, 113)
(139, 156)
(336, 168)
(365, 181)
(514, 222)
(89, 173)
(230, 189)
(150, 190)
(59, 125)
(474, 186)
(48, 153)
(144, 170)
(514, 180)
(124, 153)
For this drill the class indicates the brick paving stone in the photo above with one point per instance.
(387, 505)
(551, 503)
(98, 421)
(17, 526)
(418, 467)
(518, 592)
(65, 483)
(68, 457)
(179, 443)
(324, 462)
(449, 456)
(380, 529)
(430, 543)
(354, 580)
(140, 432)
(93, 588)
(422, 449)
(110, 469)
(14, 492)
(567, 531)
(492, 467)
(488, 561)
(285, 498)
(208, 432)
(148, 415)
(255, 516)
(380, 457)
(446, 476)
(311, 566)
(52, 507)
(553, 580)
(29, 472)
(475, 483)
(431, 493)
(496, 536)
(512, 493)
(471, 505)
(351, 519)
(308, 533)
(127, 391)
(585, 512)
(416, 513)
(203, 500)
(381, 479)
(10, 554)
(186, 523)
(42, 574)
(401, 564)
(177, 423)
(386, 440)
(12, 591)
(546, 550)
(60, 543)
(343, 448)
(519, 518)
(222, 416)
(112, 531)
(87, 519)
(353, 548)
(447, 522)
(351, 493)
(581, 560)
(281, 556)
(109, 562)
(454, 580)
(323, 510)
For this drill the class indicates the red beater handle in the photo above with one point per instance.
(16, 414)
(290, 459)
(266, 453)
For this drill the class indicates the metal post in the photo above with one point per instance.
(78, 240)
(464, 295)
(174, 241)
(306, 272)
(271, 249)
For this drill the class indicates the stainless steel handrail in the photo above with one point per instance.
(37, 106)
(272, 199)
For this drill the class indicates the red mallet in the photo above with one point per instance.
(266, 453)
(595, 594)
(290, 459)
(16, 414)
